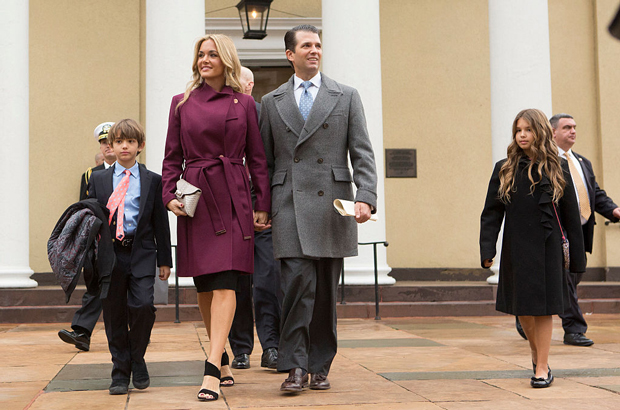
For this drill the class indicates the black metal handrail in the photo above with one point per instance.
(176, 288)
(374, 250)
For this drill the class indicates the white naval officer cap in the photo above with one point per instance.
(102, 130)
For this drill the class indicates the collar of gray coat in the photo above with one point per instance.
(326, 100)
(332, 86)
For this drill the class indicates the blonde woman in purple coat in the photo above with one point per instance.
(212, 127)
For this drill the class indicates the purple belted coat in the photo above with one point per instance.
(211, 133)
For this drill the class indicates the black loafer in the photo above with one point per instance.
(577, 339)
(79, 340)
(269, 358)
(119, 387)
(241, 361)
(140, 376)
(539, 382)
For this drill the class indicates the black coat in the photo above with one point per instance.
(71, 248)
(532, 278)
(151, 243)
(599, 202)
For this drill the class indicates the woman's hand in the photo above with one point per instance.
(176, 207)
(487, 263)
(164, 272)
(261, 221)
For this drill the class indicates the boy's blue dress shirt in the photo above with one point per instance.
(132, 198)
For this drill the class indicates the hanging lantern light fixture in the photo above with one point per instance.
(254, 15)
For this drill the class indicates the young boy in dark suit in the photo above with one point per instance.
(141, 234)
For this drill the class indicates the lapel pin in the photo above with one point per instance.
(235, 101)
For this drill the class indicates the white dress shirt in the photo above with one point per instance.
(313, 89)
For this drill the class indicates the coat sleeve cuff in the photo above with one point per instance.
(367, 197)
(167, 197)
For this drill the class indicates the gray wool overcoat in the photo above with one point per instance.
(308, 167)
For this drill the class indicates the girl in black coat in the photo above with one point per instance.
(532, 189)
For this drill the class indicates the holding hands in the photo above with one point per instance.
(261, 221)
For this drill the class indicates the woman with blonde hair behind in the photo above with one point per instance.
(531, 190)
(212, 127)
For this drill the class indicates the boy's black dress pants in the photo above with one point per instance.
(128, 314)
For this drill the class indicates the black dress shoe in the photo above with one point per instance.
(119, 387)
(140, 375)
(577, 339)
(269, 358)
(319, 382)
(80, 340)
(241, 361)
(539, 382)
(519, 328)
(296, 381)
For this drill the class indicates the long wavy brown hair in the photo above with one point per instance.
(228, 54)
(544, 153)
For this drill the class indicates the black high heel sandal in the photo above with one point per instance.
(226, 362)
(213, 371)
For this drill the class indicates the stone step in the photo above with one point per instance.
(406, 291)
(45, 304)
(190, 312)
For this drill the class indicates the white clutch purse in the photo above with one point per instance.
(188, 195)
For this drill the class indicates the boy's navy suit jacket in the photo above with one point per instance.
(151, 245)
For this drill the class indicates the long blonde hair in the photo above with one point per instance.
(228, 54)
(544, 153)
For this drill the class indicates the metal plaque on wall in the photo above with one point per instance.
(400, 163)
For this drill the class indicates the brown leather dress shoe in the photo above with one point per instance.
(296, 381)
(319, 382)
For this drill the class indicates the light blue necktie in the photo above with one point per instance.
(305, 102)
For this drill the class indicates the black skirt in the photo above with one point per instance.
(218, 280)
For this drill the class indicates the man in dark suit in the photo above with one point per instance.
(310, 127)
(258, 292)
(594, 199)
(86, 317)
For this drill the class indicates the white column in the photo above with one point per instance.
(14, 116)
(172, 29)
(520, 71)
(352, 55)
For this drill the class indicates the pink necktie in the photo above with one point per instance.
(117, 203)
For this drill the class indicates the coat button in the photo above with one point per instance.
(296, 159)
(325, 125)
(320, 160)
(321, 193)
(288, 129)
(221, 156)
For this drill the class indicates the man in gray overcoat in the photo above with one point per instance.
(310, 127)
